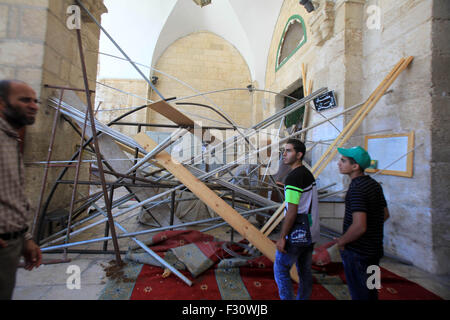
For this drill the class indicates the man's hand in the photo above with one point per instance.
(32, 254)
(3, 244)
(339, 243)
(281, 243)
(355, 231)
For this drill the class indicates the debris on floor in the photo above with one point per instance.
(115, 272)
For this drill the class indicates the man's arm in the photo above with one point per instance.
(288, 222)
(356, 230)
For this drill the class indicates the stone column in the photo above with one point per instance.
(440, 161)
(350, 13)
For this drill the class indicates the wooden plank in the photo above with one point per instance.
(174, 115)
(212, 200)
(306, 114)
(165, 109)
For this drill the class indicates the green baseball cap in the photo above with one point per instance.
(358, 154)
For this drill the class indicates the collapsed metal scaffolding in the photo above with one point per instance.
(140, 170)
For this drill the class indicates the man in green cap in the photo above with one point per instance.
(361, 244)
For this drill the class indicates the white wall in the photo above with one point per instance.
(135, 25)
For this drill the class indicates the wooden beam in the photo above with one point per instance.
(212, 200)
(174, 115)
(165, 109)
(306, 114)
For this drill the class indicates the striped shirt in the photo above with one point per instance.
(366, 195)
(300, 189)
(14, 206)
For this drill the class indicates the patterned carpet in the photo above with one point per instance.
(221, 272)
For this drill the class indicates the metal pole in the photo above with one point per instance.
(111, 196)
(66, 88)
(172, 207)
(136, 155)
(44, 180)
(77, 175)
(97, 151)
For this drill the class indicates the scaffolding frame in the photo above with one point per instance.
(212, 179)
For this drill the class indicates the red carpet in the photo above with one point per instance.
(218, 278)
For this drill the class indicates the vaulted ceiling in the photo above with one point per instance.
(146, 29)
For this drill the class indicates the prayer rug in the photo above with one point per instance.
(222, 271)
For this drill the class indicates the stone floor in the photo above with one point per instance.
(49, 282)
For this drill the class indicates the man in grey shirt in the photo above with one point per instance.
(18, 108)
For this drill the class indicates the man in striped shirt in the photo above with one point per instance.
(366, 211)
(300, 229)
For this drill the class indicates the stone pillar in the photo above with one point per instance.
(440, 161)
(350, 13)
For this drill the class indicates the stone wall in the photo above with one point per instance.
(38, 48)
(205, 62)
(113, 103)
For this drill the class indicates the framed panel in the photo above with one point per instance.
(388, 153)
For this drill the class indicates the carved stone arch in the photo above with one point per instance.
(293, 38)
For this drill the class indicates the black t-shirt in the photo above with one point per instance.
(299, 188)
(366, 195)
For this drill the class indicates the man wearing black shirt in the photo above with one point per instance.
(366, 211)
(300, 229)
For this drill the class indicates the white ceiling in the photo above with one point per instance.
(145, 29)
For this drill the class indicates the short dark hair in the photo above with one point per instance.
(298, 146)
(353, 161)
(4, 89)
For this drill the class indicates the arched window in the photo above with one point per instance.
(294, 36)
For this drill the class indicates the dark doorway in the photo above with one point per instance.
(294, 118)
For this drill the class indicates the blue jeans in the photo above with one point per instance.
(302, 257)
(355, 267)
